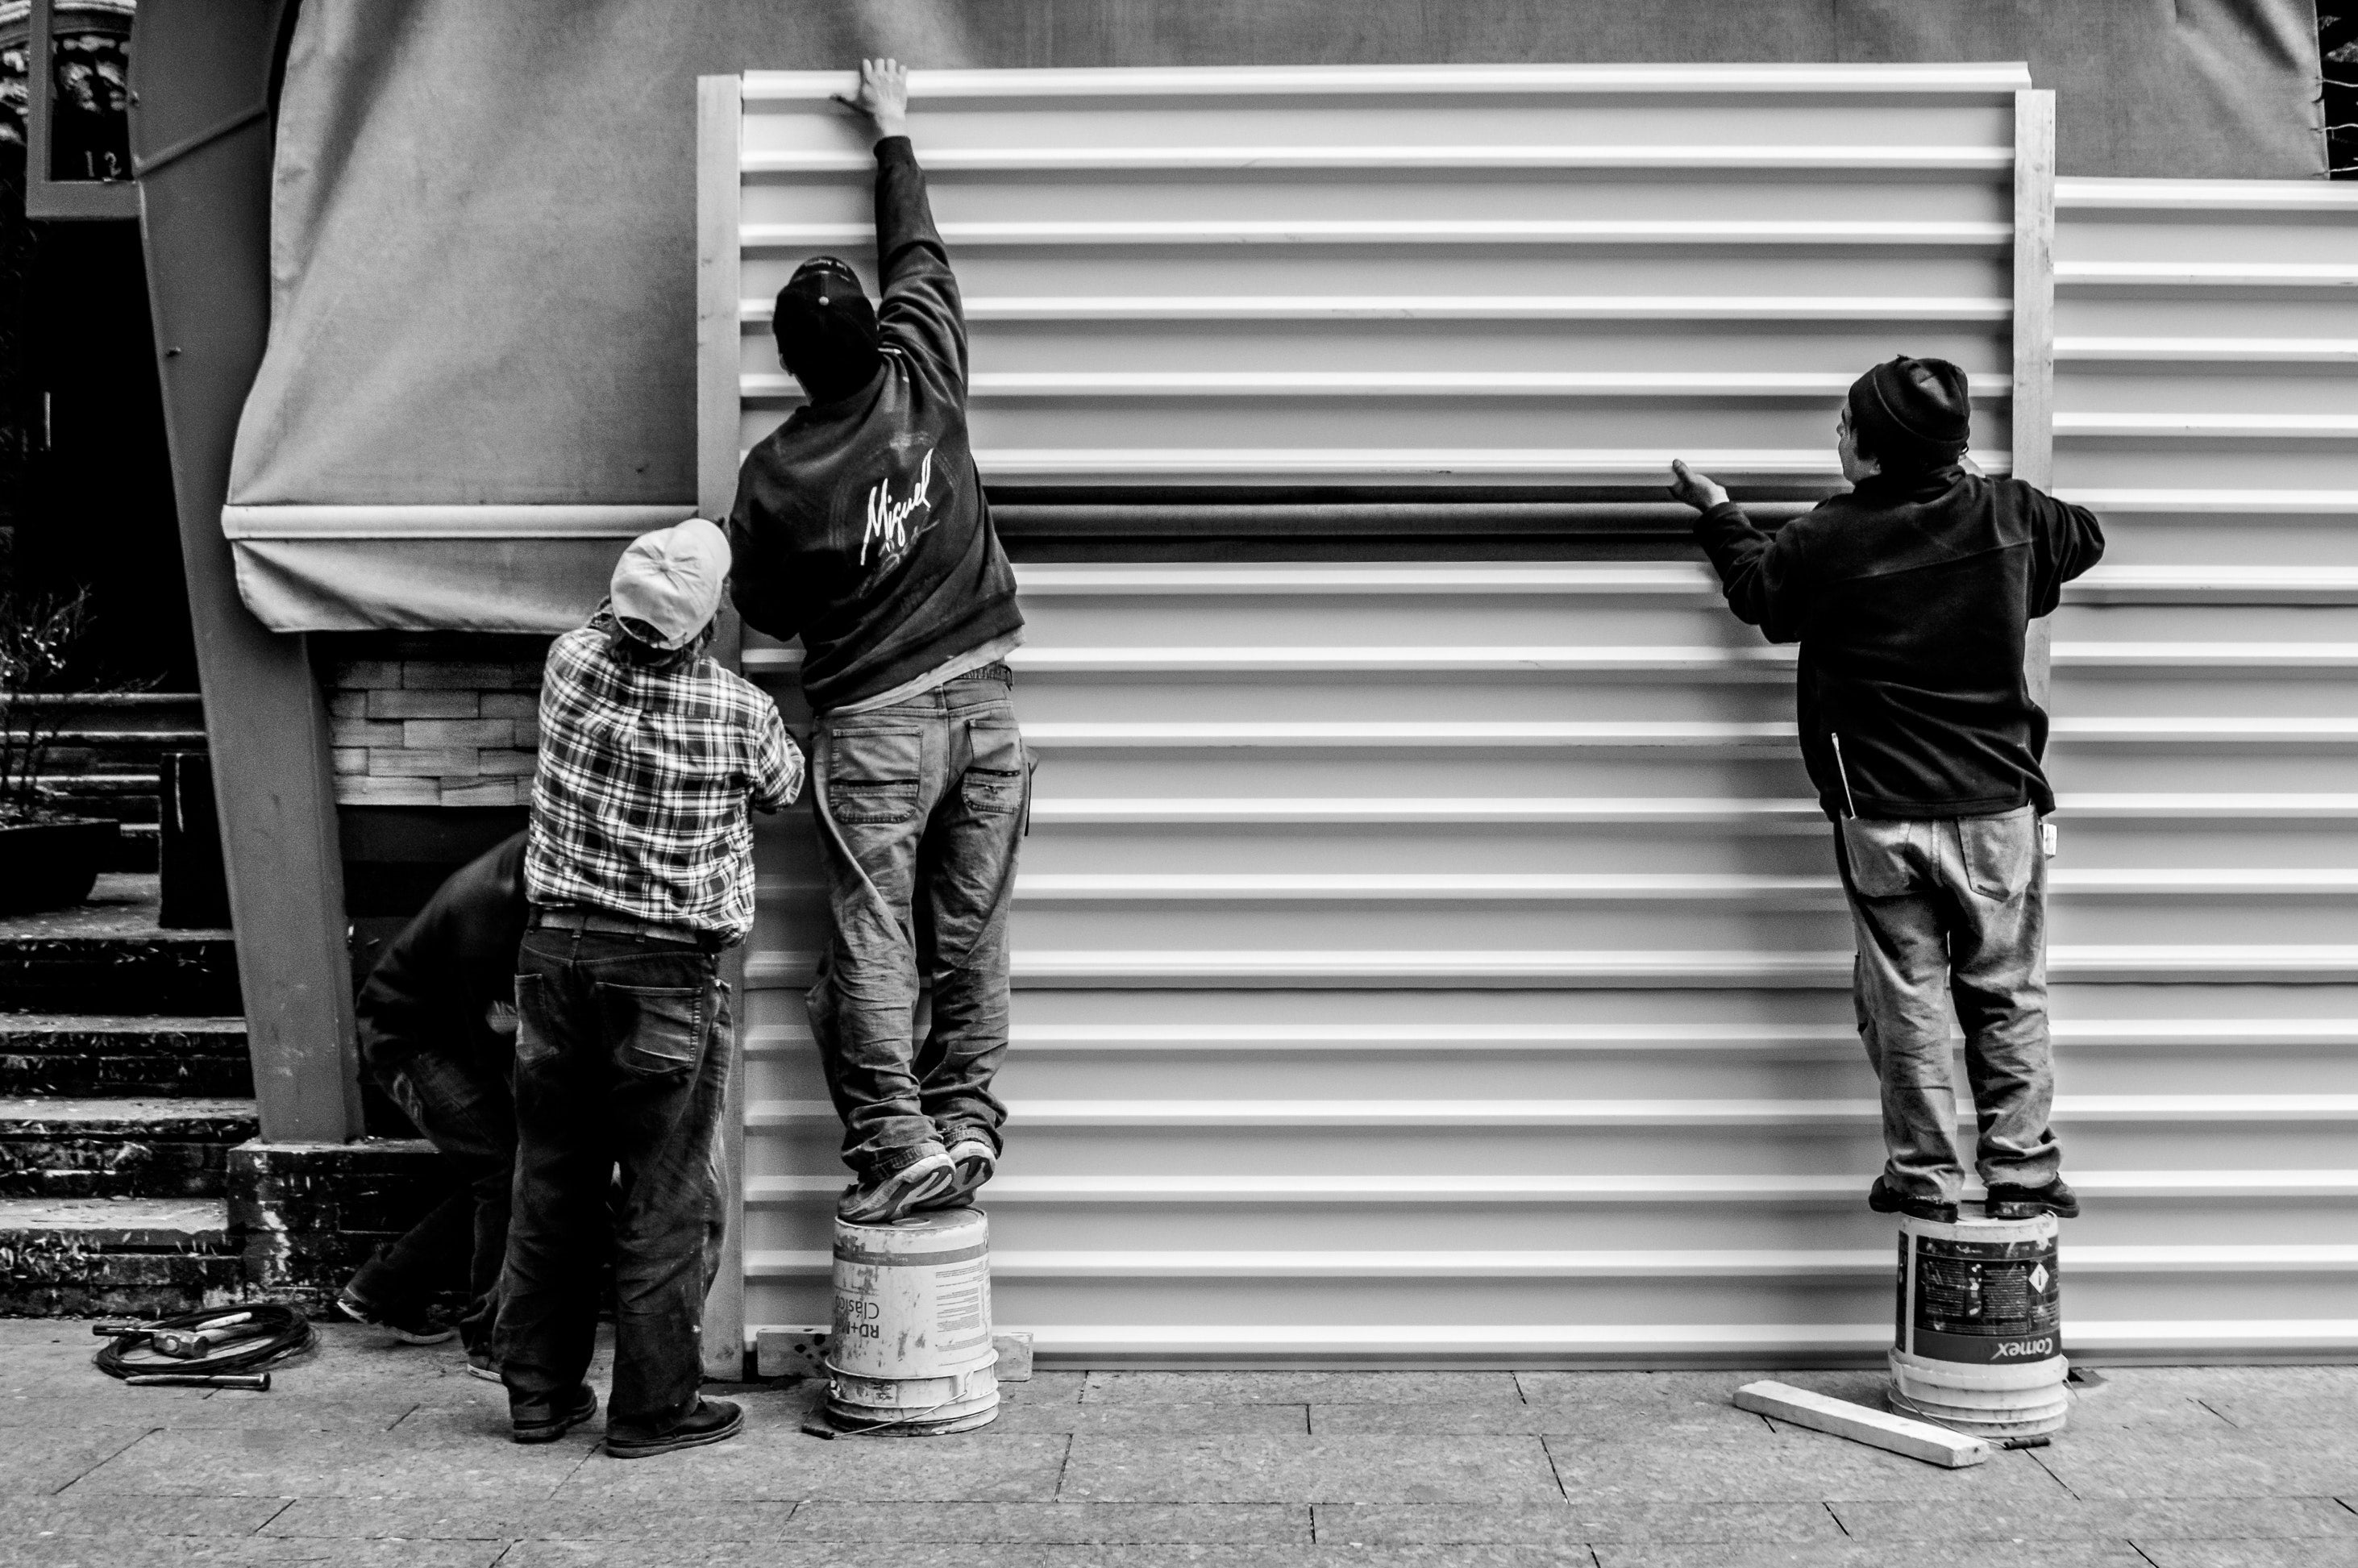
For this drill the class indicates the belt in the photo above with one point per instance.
(984, 672)
(607, 923)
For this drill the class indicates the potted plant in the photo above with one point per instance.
(48, 860)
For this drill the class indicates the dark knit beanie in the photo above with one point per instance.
(827, 330)
(1909, 414)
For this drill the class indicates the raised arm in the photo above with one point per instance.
(920, 312)
(1758, 571)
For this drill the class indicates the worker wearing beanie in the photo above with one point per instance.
(860, 527)
(638, 874)
(1911, 596)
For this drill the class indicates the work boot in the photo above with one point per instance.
(412, 1325)
(973, 1160)
(881, 1200)
(2008, 1201)
(712, 1420)
(1883, 1199)
(549, 1428)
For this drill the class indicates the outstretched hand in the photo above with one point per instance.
(1698, 490)
(882, 96)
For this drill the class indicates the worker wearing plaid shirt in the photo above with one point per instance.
(640, 871)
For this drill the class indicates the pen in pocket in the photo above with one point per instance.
(1850, 803)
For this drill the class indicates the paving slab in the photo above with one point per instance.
(595, 1554)
(425, 1518)
(437, 1454)
(779, 1463)
(1972, 1554)
(1156, 1420)
(2250, 1553)
(1044, 1388)
(254, 1551)
(2071, 1518)
(1369, 1470)
(117, 1517)
(1065, 1524)
(1572, 1524)
(1667, 1390)
(1499, 1418)
(2174, 1465)
(1294, 1388)
(36, 1464)
(1786, 1467)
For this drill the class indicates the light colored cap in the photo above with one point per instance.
(670, 580)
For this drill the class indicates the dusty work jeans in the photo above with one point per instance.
(1954, 907)
(622, 1060)
(920, 808)
(461, 1105)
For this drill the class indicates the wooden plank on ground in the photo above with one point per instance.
(1878, 1429)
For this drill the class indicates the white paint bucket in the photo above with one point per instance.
(910, 1351)
(1979, 1331)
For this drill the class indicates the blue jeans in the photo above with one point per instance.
(461, 1105)
(622, 1058)
(920, 807)
(1954, 907)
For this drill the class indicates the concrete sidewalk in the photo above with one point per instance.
(369, 1453)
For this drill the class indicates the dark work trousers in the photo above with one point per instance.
(920, 807)
(622, 1060)
(1954, 911)
(463, 1109)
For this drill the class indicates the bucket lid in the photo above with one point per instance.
(921, 1232)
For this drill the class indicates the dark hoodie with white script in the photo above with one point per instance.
(860, 524)
(1911, 597)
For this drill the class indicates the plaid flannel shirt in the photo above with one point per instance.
(639, 803)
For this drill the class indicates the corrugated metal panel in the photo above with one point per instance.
(1398, 277)
(2206, 404)
(1442, 962)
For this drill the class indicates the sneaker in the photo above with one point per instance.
(2009, 1202)
(554, 1427)
(1883, 1199)
(481, 1365)
(885, 1199)
(712, 1420)
(973, 1160)
(418, 1325)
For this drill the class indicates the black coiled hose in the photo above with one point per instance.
(250, 1337)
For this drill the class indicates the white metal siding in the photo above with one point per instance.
(1442, 962)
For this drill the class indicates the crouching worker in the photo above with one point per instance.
(437, 1033)
(640, 873)
(1911, 597)
(861, 526)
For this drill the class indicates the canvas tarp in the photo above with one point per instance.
(483, 247)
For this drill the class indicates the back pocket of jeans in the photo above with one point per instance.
(994, 780)
(656, 1031)
(872, 774)
(1999, 852)
(1877, 853)
(535, 1042)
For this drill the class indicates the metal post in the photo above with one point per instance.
(718, 111)
(200, 136)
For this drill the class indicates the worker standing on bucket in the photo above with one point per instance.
(861, 526)
(1911, 597)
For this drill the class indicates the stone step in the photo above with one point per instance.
(180, 714)
(143, 1147)
(108, 955)
(46, 1054)
(101, 1257)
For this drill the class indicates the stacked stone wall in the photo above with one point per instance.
(418, 731)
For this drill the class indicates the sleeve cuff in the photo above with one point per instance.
(896, 149)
